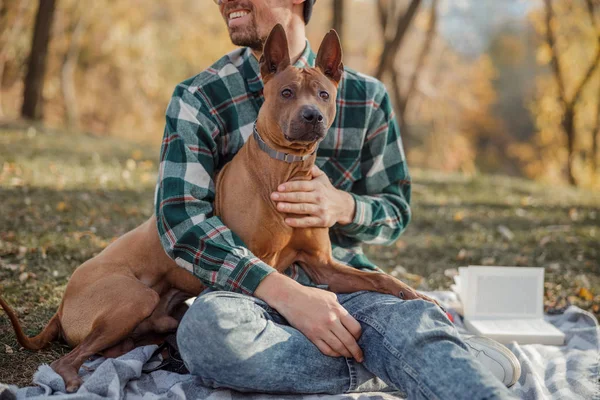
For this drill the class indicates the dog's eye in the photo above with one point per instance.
(324, 95)
(286, 93)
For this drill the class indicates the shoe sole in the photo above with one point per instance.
(509, 354)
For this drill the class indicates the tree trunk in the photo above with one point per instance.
(338, 17)
(9, 36)
(595, 134)
(68, 72)
(34, 81)
(391, 47)
(421, 60)
(568, 123)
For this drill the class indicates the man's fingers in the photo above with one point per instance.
(336, 344)
(305, 222)
(348, 341)
(352, 325)
(295, 197)
(296, 186)
(326, 349)
(298, 208)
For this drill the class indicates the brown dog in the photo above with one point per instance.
(299, 108)
(132, 293)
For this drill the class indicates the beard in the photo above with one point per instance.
(247, 36)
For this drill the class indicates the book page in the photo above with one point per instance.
(504, 292)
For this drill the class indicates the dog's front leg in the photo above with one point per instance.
(344, 279)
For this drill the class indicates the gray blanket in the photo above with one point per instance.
(548, 372)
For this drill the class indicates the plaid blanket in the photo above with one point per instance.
(549, 372)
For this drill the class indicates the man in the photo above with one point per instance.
(267, 332)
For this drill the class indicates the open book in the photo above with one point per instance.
(506, 304)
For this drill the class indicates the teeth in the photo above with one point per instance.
(238, 14)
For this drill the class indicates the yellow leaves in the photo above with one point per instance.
(130, 164)
(62, 206)
(137, 154)
(543, 54)
(458, 216)
(585, 294)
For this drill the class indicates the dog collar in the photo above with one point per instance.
(278, 155)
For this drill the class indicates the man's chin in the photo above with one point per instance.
(241, 38)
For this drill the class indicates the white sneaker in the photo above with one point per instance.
(501, 362)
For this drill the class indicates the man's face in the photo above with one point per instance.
(250, 21)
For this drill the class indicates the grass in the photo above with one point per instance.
(64, 197)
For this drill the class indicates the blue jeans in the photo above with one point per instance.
(230, 340)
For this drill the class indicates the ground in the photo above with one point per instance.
(64, 197)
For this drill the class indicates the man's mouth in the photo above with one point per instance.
(237, 17)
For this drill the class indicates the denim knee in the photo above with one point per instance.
(218, 331)
(404, 322)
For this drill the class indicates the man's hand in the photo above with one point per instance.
(314, 312)
(316, 202)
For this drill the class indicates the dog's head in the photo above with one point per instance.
(301, 101)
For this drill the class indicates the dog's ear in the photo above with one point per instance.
(329, 57)
(276, 55)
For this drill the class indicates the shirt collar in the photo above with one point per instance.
(251, 70)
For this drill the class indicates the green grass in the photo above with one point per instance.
(64, 197)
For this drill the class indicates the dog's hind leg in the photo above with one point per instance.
(111, 326)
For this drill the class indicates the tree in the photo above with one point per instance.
(34, 81)
(11, 27)
(388, 17)
(569, 103)
(338, 17)
(70, 63)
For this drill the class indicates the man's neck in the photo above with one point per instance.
(296, 35)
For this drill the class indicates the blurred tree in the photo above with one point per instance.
(11, 26)
(34, 82)
(390, 17)
(338, 18)
(82, 14)
(570, 103)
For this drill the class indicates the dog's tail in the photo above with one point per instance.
(50, 332)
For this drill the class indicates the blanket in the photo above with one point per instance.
(548, 372)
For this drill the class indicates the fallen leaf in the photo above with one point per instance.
(488, 261)
(23, 276)
(525, 201)
(521, 260)
(451, 272)
(505, 232)
(573, 214)
(459, 216)
(401, 244)
(62, 206)
(11, 267)
(8, 349)
(585, 294)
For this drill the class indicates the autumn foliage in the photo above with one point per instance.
(526, 102)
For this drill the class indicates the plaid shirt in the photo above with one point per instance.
(210, 117)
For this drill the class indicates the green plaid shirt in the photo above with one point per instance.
(210, 117)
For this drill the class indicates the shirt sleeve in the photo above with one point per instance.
(189, 231)
(382, 195)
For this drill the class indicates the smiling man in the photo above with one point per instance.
(260, 331)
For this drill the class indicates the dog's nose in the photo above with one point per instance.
(312, 115)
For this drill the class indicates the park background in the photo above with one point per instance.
(498, 103)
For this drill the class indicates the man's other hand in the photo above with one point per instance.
(314, 312)
(317, 203)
